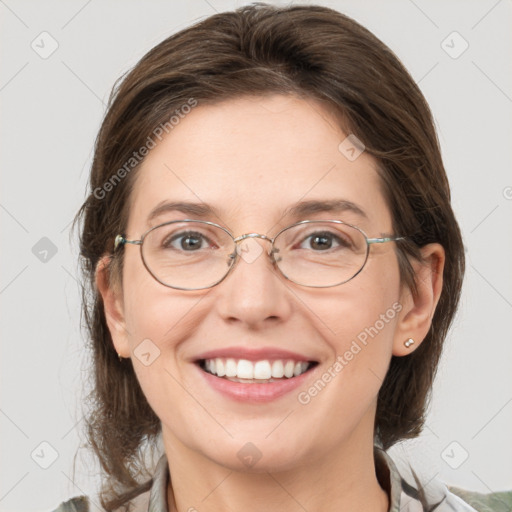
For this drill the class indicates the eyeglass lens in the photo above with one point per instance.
(196, 255)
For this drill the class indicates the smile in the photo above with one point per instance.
(257, 372)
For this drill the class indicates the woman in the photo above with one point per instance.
(274, 264)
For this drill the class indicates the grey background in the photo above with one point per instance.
(51, 110)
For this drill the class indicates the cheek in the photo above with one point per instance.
(370, 313)
(361, 309)
(366, 340)
(159, 321)
(155, 314)
(146, 302)
(357, 322)
(162, 315)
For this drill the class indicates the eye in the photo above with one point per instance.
(189, 241)
(325, 240)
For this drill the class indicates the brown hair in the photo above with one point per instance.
(313, 52)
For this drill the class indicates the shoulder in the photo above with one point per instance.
(409, 492)
(76, 504)
(83, 504)
(151, 495)
(492, 502)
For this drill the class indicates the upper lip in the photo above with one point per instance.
(259, 354)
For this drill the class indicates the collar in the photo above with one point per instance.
(389, 478)
(158, 491)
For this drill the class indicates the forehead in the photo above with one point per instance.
(252, 159)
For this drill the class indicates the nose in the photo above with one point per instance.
(253, 293)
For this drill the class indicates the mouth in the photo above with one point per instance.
(255, 372)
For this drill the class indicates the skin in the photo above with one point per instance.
(251, 158)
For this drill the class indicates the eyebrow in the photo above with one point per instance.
(197, 209)
(305, 208)
(300, 209)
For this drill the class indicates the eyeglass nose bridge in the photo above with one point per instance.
(252, 235)
(272, 253)
(241, 238)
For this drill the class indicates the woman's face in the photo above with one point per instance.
(250, 159)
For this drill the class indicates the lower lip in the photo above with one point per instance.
(257, 393)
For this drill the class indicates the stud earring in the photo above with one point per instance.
(120, 356)
(409, 342)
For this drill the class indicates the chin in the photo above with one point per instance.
(257, 456)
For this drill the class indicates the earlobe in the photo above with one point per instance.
(113, 307)
(418, 309)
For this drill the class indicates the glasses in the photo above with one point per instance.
(194, 255)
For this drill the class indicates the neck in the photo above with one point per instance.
(343, 479)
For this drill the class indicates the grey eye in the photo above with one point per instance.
(322, 241)
(187, 241)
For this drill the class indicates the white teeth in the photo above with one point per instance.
(259, 370)
(277, 369)
(231, 368)
(221, 370)
(262, 370)
(288, 369)
(245, 369)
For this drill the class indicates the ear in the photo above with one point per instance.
(418, 310)
(113, 307)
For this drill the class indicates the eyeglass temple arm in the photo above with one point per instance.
(385, 239)
(121, 240)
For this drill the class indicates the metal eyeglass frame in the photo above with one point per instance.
(121, 240)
